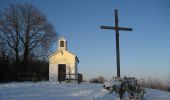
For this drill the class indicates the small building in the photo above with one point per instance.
(63, 63)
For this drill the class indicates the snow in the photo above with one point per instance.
(66, 91)
(111, 83)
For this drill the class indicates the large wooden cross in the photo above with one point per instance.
(117, 29)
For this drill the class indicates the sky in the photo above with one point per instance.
(144, 52)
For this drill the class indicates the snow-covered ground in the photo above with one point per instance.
(66, 91)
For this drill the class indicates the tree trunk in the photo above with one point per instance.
(17, 64)
(25, 59)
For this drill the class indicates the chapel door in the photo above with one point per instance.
(61, 72)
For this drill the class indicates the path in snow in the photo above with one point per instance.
(66, 91)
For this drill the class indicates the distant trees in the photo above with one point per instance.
(154, 84)
(4, 66)
(26, 35)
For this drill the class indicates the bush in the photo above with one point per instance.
(99, 79)
(168, 89)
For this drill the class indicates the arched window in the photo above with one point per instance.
(61, 43)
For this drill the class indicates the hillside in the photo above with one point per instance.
(66, 91)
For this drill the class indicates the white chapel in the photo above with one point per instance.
(62, 62)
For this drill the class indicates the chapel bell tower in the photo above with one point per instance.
(62, 44)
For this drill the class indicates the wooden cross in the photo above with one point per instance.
(117, 29)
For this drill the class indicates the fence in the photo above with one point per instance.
(28, 77)
(71, 77)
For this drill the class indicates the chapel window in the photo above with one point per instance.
(61, 43)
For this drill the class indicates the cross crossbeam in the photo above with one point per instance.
(117, 29)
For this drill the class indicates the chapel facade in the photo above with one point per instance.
(63, 63)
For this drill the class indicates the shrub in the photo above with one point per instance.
(99, 79)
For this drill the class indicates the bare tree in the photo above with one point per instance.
(10, 29)
(26, 30)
